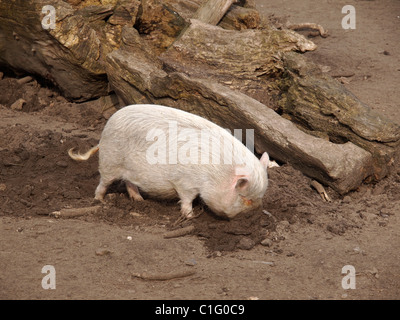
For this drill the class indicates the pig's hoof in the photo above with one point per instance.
(193, 215)
(181, 219)
(184, 217)
(136, 198)
(98, 201)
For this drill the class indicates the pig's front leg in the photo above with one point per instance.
(187, 209)
(187, 197)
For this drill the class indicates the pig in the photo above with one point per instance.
(147, 146)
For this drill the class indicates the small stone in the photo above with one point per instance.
(17, 105)
(191, 262)
(266, 242)
(382, 223)
(357, 250)
(62, 164)
(246, 243)
(71, 194)
(346, 199)
(102, 252)
(134, 214)
(325, 68)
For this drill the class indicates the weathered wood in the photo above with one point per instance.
(125, 13)
(300, 26)
(239, 18)
(211, 11)
(71, 54)
(163, 276)
(209, 51)
(75, 212)
(179, 232)
(159, 23)
(240, 15)
(57, 55)
(162, 22)
(321, 104)
(341, 166)
(307, 96)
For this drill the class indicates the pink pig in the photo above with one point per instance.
(169, 153)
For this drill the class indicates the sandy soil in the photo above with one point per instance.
(294, 249)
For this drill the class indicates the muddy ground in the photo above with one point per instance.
(293, 248)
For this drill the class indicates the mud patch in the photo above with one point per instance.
(38, 177)
(249, 229)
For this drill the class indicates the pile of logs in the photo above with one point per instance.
(216, 58)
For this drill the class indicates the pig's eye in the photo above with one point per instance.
(247, 202)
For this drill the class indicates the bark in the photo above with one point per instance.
(204, 50)
(57, 55)
(239, 18)
(320, 103)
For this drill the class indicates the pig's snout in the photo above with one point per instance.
(242, 205)
(247, 202)
(250, 204)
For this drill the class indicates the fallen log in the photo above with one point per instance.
(178, 232)
(56, 55)
(75, 212)
(341, 166)
(320, 103)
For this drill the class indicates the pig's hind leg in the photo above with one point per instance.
(133, 191)
(101, 190)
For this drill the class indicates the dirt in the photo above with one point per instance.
(294, 247)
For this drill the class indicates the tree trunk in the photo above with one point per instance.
(57, 55)
(320, 104)
(153, 51)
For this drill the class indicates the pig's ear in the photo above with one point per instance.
(241, 180)
(241, 184)
(264, 160)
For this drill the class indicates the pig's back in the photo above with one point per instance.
(123, 147)
(147, 116)
(131, 126)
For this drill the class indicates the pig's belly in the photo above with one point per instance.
(159, 193)
(152, 186)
